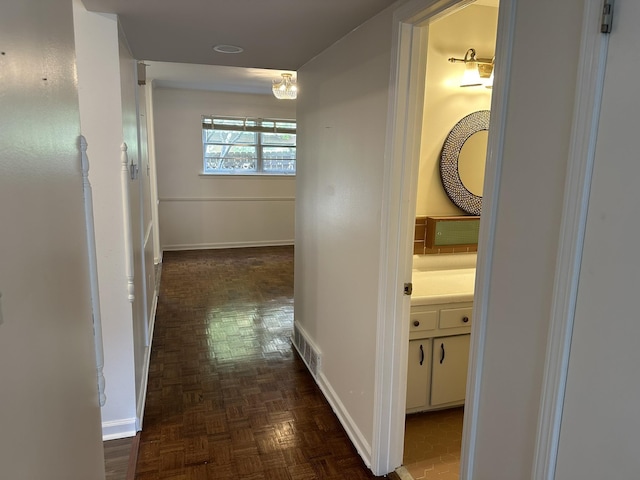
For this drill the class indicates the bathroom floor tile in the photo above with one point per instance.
(432, 444)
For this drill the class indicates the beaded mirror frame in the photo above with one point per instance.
(449, 174)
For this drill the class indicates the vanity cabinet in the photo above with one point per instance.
(449, 369)
(438, 356)
(419, 373)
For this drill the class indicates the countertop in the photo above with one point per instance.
(442, 286)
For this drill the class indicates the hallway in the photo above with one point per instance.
(228, 396)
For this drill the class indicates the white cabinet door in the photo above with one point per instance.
(418, 373)
(449, 373)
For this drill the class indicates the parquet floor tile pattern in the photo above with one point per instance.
(228, 397)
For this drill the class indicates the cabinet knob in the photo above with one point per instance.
(465, 319)
(416, 323)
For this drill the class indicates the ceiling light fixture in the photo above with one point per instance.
(228, 49)
(477, 71)
(285, 89)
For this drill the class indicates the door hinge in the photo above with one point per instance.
(607, 16)
(408, 288)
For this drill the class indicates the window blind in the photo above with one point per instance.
(262, 125)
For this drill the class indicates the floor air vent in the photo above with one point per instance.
(307, 350)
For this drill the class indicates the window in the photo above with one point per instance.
(249, 146)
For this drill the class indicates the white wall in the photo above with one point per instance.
(198, 211)
(101, 117)
(50, 417)
(107, 92)
(446, 102)
(342, 120)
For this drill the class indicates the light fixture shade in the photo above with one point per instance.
(471, 76)
(477, 71)
(285, 89)
(489, 81)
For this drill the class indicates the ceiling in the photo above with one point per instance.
(275, 34)
(175, 38)
(212, 77)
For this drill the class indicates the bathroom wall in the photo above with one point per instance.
(445, 101)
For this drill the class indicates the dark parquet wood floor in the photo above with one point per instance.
(228, 397)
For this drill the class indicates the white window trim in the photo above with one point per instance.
(249, 124)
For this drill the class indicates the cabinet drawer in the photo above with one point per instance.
(455, 317)
(423, 320)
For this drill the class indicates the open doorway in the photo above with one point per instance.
(455, 114)
(399, 219)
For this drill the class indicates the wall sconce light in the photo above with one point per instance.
(285, 89)
(477, 72)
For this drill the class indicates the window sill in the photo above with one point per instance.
(245, 175)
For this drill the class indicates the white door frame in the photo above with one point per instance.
(406, 100)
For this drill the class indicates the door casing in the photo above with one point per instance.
(398, 216)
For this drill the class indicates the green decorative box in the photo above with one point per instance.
(460, 231)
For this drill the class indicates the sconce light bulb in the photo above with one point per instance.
(470, 77)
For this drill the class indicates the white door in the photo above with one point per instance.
(600, 430)
(129, 86)
(144, 176)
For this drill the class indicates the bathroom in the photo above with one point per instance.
(448, 202)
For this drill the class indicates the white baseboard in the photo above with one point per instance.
(115, 429)
(312, 358)
(213, 246)
(128, 427)
(354, 433)
(142, 396)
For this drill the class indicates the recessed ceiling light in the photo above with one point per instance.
(228, 49)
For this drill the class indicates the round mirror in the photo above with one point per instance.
(462, 165)
(471, 162)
